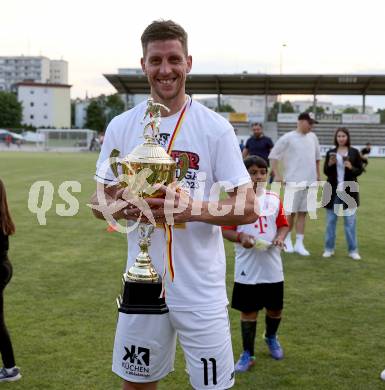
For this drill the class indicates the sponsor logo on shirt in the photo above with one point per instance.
(190, 178)
(261, 224)
(136, 361)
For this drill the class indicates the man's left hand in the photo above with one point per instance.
(173, 205)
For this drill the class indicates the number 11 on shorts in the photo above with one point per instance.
(206, 370)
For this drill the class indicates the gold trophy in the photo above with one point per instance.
(142, 285)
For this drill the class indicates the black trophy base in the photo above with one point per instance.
(141, 298)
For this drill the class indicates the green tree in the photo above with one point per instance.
(350, 110)
(10, 110)
(96, 118)
(318, 109)
(286, 107)
(225, 108)
(114, 105)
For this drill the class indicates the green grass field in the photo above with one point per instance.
(60, 305)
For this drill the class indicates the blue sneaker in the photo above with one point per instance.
(245, 362)
(275, 348)
(6, 376)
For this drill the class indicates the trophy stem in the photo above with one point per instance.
(142, 269)
(142, 286)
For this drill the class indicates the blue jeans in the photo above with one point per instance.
(350, 230)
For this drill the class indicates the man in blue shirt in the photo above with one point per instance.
(242, 145)
(258, 144)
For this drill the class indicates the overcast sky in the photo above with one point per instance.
(98, 37)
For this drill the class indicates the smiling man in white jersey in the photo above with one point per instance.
(195, 282)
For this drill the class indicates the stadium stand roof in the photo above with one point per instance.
(262, 84)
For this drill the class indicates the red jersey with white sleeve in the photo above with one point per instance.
(254, 266)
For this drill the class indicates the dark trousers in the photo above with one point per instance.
(5, 341)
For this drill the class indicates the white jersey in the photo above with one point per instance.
(299, 153)
(254, 266)
(214, 155)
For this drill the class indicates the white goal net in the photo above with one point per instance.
(65, 139)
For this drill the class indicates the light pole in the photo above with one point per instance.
(283, 45)
(281, 57)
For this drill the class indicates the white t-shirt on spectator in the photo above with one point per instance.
(298, 153)
(341, 167)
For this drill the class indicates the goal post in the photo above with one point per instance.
(65, 139)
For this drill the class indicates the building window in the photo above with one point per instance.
(45, 116)
(31, 92)
(31, 116)
(45, 104)
(32, 104)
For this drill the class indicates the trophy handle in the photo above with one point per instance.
(183, 165)
(113, 163)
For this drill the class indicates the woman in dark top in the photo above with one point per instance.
(9, 372)
(342, 166)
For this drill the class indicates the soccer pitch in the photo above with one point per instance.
(61, 312)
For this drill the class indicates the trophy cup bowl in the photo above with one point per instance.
(152, 156)
(142, 285)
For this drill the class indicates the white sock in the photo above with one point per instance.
(288, 237)
(299, 239)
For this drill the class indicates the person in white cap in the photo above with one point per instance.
(299, 152)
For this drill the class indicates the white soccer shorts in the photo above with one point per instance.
(144, 348)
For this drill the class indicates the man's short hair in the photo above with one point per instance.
(257, 124)
(162, 30)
